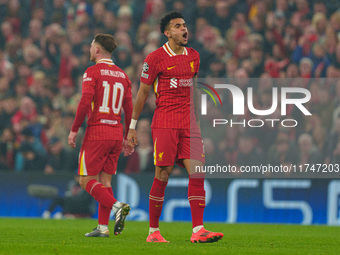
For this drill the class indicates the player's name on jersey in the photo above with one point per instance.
(112, 73)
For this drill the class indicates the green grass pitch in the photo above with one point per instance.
(44, 237)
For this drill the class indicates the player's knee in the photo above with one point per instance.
(164, 177)
(105, 181)
(83, 182)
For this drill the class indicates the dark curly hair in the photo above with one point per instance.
(167, 18)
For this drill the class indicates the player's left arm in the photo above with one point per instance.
(196, 102)
(127, 106)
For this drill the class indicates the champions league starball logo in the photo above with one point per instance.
(288, 96)
(145, 67)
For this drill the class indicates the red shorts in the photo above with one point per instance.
(98, 156)
(174, 145)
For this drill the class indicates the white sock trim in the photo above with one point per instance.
(103, 227)
(152, 230)
(116, 206)
(197, 228)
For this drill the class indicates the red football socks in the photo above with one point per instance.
(156, 199)
(196, 196)
(100, 193)
(104, 212)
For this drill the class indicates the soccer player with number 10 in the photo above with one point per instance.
(106, 90)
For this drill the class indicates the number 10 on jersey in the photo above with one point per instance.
(106, 95)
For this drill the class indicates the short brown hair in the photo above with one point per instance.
(108, 42)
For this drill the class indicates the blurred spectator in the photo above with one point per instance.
(32, 56)
(31, 142)
(7, 149)
(320, 136)
(6, 33)
(141, 37)
(222, 18)
(335, 59)
(26, 114)
(324, 107)
(63, 131)
(68, 62)
(231, 67)
(56, 13)
(248, 153)
(153, 12)
(283, 152)
(212, 156)
(110, 23)
(333, 141)
(257, 61)
(76, 40)
(14, 15)
(38, 90)
(76, 203)
(35, 29)
(309, 153)
(292, 71)
(98, 17)
(64, 97)
(335, 157)
(27, 135)
(8, 108)
(76, 9)
(58, 158)
(32, 161)
(216, 68)
(306, 67)
(202, 9)
(141, 160)
(123, 57)
(228, 147)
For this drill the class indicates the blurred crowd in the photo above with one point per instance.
(44, 51)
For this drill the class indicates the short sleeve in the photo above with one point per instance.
(150, 69)
(89, 81)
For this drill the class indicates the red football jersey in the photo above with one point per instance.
(172, 78)
(110, 89)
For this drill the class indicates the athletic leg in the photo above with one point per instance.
(121, 210)
(191, 152)
(97, 190)
(103, 211)
(196, 193)
(96, 169)
(156, 200)
(157, 192)
(196, 196)
(165, 149)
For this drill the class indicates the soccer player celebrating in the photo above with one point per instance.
(176, 135)
(106, 89)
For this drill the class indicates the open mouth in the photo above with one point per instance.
(185, 36)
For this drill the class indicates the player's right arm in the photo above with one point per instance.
(88, 90)
(142, 95)
(148, 76)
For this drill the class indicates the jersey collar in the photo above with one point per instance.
(170, 52)
(105, 61)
